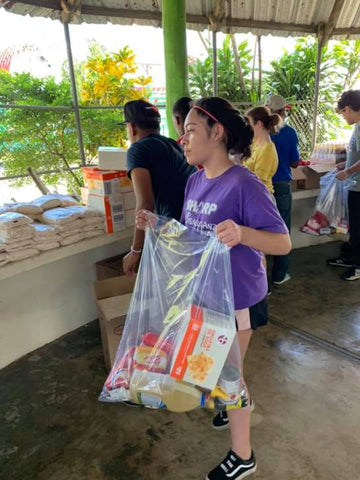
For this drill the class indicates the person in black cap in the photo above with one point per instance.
(157, 168)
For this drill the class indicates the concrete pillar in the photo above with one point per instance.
(176, 68)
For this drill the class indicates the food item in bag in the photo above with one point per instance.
(229, 382)
(202, 345)
(159, 387)
(316, 222)
(149, 358)
(151, 339)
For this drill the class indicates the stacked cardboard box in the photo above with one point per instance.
(111, 192)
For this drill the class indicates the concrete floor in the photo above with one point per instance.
(305, 425)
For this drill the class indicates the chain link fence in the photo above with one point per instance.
(300, 117)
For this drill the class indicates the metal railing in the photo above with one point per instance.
(300, 117)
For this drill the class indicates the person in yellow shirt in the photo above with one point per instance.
(264, 159)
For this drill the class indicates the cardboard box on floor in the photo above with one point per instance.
(308, 177)
(110, 267)
(113, 297)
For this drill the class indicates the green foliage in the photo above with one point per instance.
(46, 139)
(293, 74)
(42, 139)
(200, 74)
(347, 57)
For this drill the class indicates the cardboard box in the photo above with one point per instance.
(305, 178)
(202, 346)
(308, 177)
(322, 167)
(112, 158)
(112, 207)
(104, 182)
(112, 298)
(110, 267)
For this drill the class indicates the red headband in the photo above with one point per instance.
(208, 114)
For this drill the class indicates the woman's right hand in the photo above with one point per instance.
(145, 218)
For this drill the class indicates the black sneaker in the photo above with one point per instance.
(340, 262)
(233, 467)
(352, 274)
(221, 420)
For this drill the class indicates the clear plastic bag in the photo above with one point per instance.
(331, 211)
(179, 347)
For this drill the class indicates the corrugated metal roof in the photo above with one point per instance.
(277, 17)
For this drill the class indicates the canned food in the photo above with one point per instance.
(229, 381)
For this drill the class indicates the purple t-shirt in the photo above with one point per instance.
(240, 196)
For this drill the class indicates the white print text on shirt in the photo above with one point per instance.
(203, 208)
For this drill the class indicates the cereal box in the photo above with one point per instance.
(203, 344)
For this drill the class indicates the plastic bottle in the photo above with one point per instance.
(163, 389)
(183, 397)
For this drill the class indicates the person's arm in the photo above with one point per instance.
(271, 243)
(141, 180)
(347, 172)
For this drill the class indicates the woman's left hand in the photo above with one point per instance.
(229, 232)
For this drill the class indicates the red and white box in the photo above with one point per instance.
(106, 182)
(202, 345)
(112, 206)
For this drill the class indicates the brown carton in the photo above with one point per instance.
(113, 297)
(308, 177)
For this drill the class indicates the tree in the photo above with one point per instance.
(47, 140)
(347, 56)
(293, 74)
(293, 77)
(229, 85)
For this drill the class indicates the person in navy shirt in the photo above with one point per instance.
(286, 143)
(157, 167)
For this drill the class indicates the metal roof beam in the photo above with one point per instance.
(331, 23)
(227, 22)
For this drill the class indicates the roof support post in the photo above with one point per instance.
(74, 93)
(324, 33)
(214, 64)
(316, 93)
(176, 67)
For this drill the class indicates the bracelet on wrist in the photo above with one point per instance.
(132, 250)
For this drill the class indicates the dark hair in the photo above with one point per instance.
(351, 99)
(182, 107)
(238, 133)
(148, 125)
(263, 114)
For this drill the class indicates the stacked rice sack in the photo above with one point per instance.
(74, 223)
(16, 237)
(59, 221)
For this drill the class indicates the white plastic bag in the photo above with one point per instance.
(331, 211)
(179, 347)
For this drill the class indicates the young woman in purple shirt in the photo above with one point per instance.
(233, 202)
